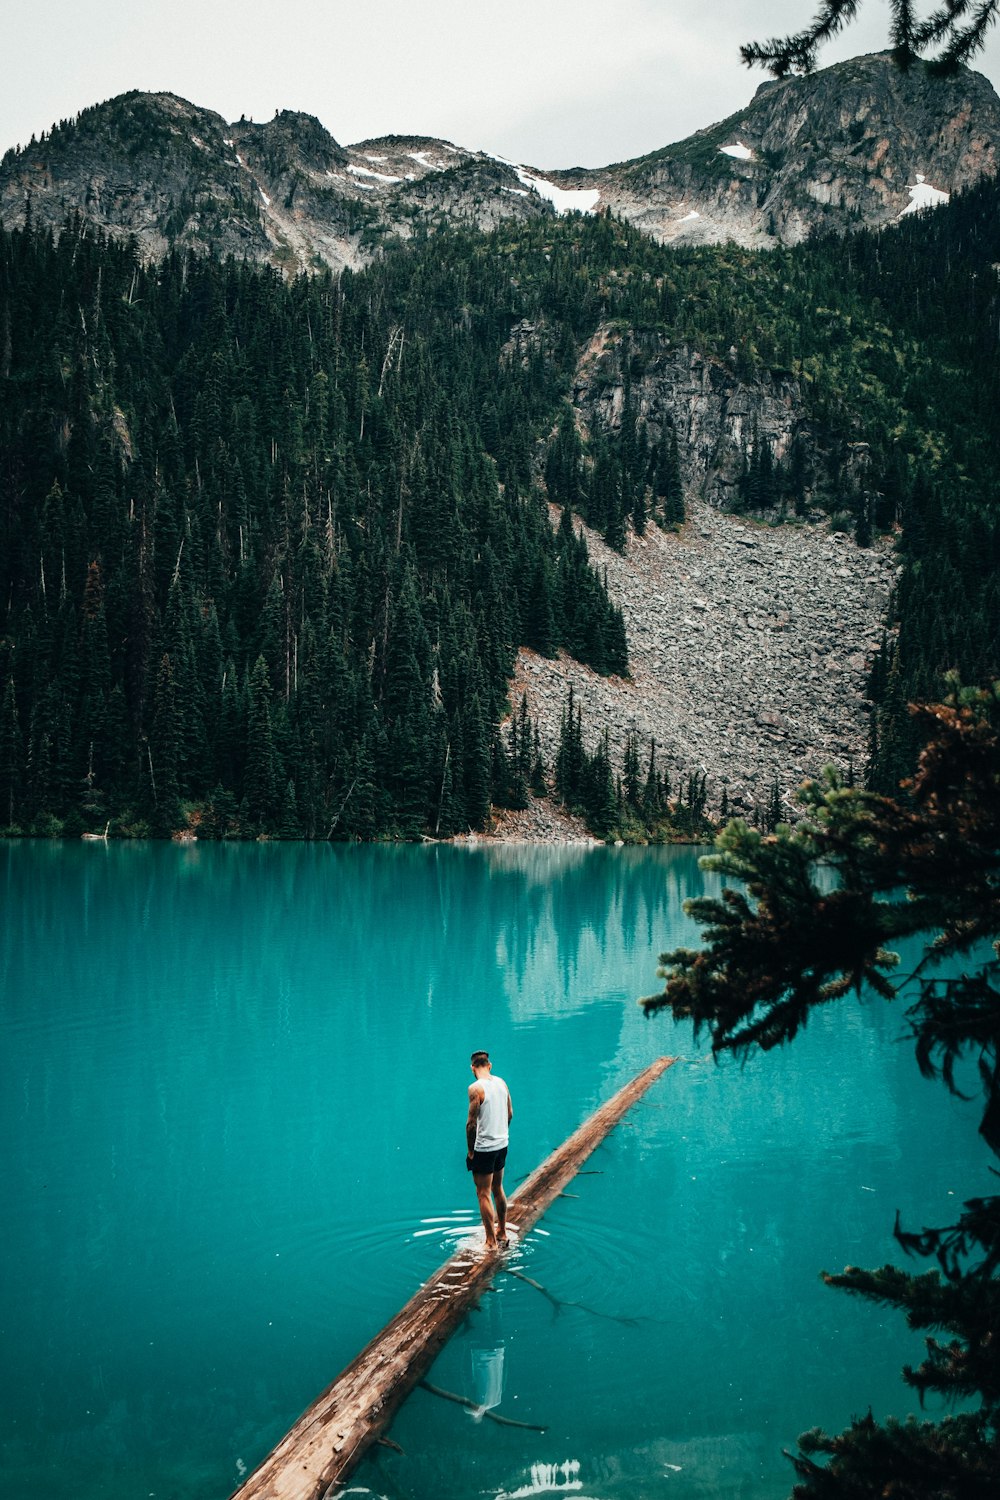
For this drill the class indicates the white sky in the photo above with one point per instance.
(552, 83)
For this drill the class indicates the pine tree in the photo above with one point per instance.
(476, 765)
(11, 759)
(668, 489)
(570, 758)
(926, 864)
(539, 786)
(163, 756)
(960, 29)
(630, 768)
(263, 771)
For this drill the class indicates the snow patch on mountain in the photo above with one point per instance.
(738, 150)
(922, 196)
(369, 172)
(563, 200)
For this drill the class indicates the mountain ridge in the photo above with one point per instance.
(859, 143)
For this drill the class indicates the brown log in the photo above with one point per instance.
(335, 1432)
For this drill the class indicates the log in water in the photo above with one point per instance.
(335, 1432)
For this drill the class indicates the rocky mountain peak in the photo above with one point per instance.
(302, 138)
(860, 143)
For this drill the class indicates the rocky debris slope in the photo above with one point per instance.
(858, 143)
(544, 821)
(748, 645)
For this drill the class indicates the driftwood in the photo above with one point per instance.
(335, 1432)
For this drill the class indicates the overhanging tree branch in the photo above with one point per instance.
(818, 910)
(958, 27)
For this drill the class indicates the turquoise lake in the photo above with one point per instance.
(233, 1119)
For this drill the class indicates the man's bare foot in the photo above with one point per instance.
(490, 1244)
(502, 1239)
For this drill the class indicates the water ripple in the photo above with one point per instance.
(596, 1265)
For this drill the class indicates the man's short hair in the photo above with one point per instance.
(480, 1059)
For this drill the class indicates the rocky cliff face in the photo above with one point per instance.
(749, 643)
(716, 414)
(859, 143)
(176, 176)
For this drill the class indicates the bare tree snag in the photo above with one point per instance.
(335, 1432)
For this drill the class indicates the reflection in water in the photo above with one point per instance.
(486, 1359)
(234, 1133)
(535, 920)
(547, 1479)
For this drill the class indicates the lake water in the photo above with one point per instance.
(233, 1122)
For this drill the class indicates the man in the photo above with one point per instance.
(486, 1131)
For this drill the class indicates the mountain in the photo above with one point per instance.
(270, 552)
(274, 551)
(176, 176)
(860, 143)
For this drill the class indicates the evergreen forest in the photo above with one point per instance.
(268, 548)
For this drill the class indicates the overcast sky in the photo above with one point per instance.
(553, 83)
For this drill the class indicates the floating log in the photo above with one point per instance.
(335, 1432)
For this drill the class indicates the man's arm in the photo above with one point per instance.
(476, 1096)
(510, 1108)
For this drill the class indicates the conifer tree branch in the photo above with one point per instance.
(818, 906)
(959, 27)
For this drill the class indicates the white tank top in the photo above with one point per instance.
(491, 1122)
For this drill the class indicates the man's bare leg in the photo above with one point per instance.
(500, 1199)
(483, 1185)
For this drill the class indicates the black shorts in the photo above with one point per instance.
(485, 1163)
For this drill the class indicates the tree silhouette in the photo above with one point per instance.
(957, 27)
(927, 864)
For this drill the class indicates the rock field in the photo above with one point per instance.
(749, 648)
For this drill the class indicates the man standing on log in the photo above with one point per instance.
(486, 1131)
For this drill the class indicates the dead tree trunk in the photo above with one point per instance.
(331, 1437)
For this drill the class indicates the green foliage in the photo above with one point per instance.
(204, 463)
(913, 1460)
(264, 564)
(812, 920)
(959, 28)
(636, 807)
(518, 766)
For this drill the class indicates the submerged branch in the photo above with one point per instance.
(436, 1390)
(559, 1303)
